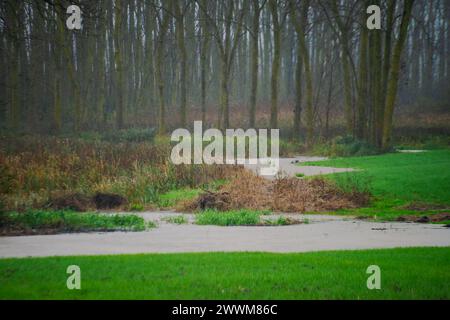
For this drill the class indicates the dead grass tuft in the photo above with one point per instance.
(282, 195)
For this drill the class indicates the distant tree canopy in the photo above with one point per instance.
(233, 63)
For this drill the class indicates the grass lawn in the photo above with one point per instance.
(397, 179)
(405, 274)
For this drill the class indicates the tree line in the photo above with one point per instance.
(162, 63)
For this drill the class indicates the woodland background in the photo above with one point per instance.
(311, 68)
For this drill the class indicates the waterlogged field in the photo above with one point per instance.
(417, 273)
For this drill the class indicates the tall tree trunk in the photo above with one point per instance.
(254, 62)
(179, 16)
(204, 60)
(343, 27)
(66, 47)
(118, 63)
(160, 71)
(362, 89)
(298, 94)
(395, 73)
(306, 64)
(273, 4)
(13, 17)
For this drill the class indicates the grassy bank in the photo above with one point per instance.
(401, 183)
(50, 222)
(405, 274)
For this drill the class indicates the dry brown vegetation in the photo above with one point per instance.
(248, 191)
(37, 172)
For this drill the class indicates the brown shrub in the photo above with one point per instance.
(282, 195)
(73, 201)
(108, 201)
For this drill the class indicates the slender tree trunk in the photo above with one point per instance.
(13, 16)
(179, 16)
(362, 90)
(273, 4)
(71, 68)
(298, 95)
(306, 64)
(254, 62)
(204, 60)
(345, 68)
(160, 71)
(118, 62)
(388, 46)
(395, 74)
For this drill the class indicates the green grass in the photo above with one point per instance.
(242, 218)
(386, 210)
(171, 198)
(447, 222)
(229, 218)
(67, 221)
(395, 179)
(397, 176)
(405, 274)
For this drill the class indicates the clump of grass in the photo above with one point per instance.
(136, 207)
(229, 218)
(151, 224)
(38, 222)
(171, 198)
(299, 175)
(241, 218)
(176, 219)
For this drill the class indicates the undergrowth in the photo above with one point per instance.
(36, 169)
